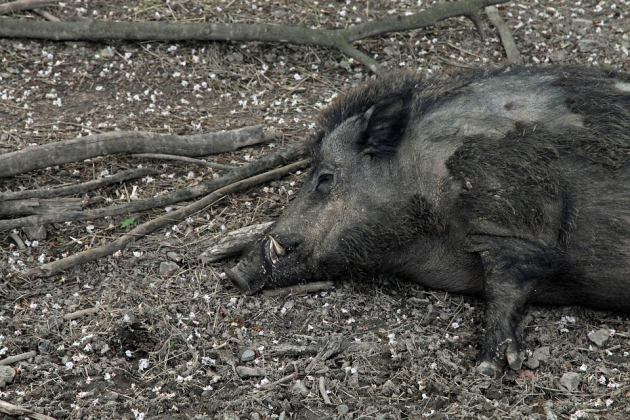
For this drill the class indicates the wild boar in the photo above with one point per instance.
(509, 184)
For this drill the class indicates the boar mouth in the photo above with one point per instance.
(253, 271)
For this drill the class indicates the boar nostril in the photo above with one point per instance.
(275, 250)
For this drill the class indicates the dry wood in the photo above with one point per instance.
(81, 313)
(511, 50)
(233, 243)
(299, 289)
(17, 358)
(79, 188)
(340, 39)
(262, 164)
(16, 410)
(199, 162)
(46, 15)
(322, 391)
(287, 378)
(16, 6)
(43, 206)
(95, 253)
(16, 238)
(75, 150)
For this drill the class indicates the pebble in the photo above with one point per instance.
(300, 388)
(248, 355)
(248, 372)
(7, 374)
(541, 354)
(570, 381)
(35, 233)
(168, 268)
(343, 409)
(600, 337)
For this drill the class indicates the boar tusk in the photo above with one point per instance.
(275, 250)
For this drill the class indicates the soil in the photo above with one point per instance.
(183, 343)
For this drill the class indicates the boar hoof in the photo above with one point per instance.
(489, 369)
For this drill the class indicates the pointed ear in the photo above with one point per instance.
(385, 124)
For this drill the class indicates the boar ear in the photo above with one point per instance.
(385, 124)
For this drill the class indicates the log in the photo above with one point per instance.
(234, 243)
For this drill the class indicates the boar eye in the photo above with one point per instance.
(325, 182)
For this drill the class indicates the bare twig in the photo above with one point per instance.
(322, 391)
(173, 217)
(129, 142)
(78, 188)
(16, 410)
(287, 378)
(511, 51)
(184, 159)
(46, 15)
(79, 314)
(299, 289)
(16, 238)
(341, 39)
(16, 6)
(17, 358)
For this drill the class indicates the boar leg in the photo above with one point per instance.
(512, 269)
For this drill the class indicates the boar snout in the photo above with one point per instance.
(256, 268)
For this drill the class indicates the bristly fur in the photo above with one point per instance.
(511, 181)
(359, 100)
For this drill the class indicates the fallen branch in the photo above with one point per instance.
(199, 162)
(511, 50)
(55, 267)
(341, 39)
(78, 188)
(234, 243)
(16, 410)
(16, 6)
(262, 164)
(75, 150)
(38, 206)
(299, 289)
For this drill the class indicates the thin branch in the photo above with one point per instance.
(16, 238)
(16, 410)
(17, 358)
(55, 267)
(199, 162)
(340, 39)
(203, 188)
(511, 50)
(75, 150)
(81, 313)
(46, 15)
(79, 188)
(16, 6)
(299, 289)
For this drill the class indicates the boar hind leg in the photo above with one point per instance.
(512, 269)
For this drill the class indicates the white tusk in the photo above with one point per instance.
(275, 250)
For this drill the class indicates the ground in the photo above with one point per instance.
(176, 346)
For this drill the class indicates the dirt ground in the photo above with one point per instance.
(187, 345)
